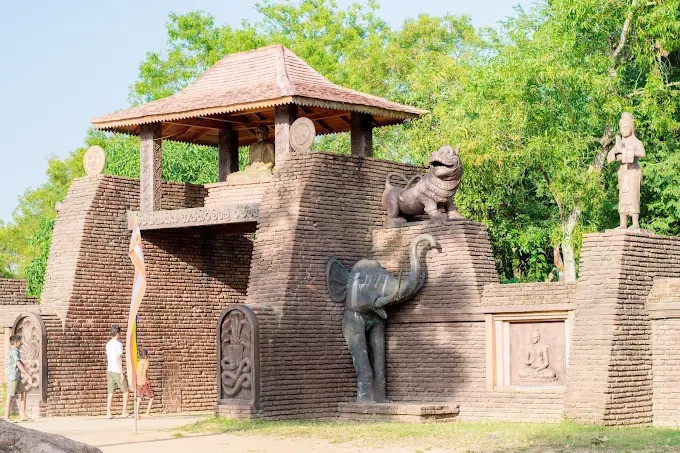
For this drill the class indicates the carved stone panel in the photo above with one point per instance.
(537, 353)
(528, 349)
(238, 357)
(33, 354)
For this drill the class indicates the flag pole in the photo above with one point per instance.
(135, 380)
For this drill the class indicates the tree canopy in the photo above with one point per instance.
(533, 105)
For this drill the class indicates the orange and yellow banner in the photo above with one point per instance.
(138, 289)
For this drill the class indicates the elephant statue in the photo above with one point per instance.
(367, 289)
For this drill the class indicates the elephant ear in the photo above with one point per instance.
(337, 279)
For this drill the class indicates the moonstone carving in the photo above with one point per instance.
(94, 160)
(302, 134)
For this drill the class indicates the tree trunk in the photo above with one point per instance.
(568, 255)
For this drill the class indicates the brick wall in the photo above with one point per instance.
(610, 377)
(13, 292)
(663, 305)
(321, 205)
(436, 346)
(192, 273)
(13, 303)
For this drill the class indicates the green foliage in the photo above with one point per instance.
(527, 103)
(35, 272)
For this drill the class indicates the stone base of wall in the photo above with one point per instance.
(403, 412)
(244, 412)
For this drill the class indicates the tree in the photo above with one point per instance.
(533, 106)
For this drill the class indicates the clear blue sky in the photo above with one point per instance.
(64, 62)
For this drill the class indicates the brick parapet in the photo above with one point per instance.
(610, 377)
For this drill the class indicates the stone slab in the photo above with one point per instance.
(193, 217)
(406, 412)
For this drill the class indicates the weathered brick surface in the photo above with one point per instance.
(191, 275)
(663, 305)
(13, 292)
(539, 296)
(610, 374)
(229, 193)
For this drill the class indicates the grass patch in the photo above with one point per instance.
(457, 436)
(3, 395)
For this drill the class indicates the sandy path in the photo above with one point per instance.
(156, 435)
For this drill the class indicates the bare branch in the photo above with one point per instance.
(614, 54)
(642, 90)
(605, 141)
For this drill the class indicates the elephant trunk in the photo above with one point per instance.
(415, 278)
(404, 290)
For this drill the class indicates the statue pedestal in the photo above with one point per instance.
(404, 412)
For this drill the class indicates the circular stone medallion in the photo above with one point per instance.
(94, 160)
(302, 134)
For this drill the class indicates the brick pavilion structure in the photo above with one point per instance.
(598, 350)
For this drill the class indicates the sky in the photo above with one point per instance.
(65, 62)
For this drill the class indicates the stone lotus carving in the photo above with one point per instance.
(238, 357)
(426, 194)
(367, 288)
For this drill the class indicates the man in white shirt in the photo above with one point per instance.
(115, 373)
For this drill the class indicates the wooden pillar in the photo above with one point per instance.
(227, 153)
(362, 134)
(150, 147)
(284, 117)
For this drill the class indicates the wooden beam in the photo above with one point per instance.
(227, 153)
(150, 149)
(345, 120)
(284, 117)
(208, 123)
(362, 134)
(325, 126)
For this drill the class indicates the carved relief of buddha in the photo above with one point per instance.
(537, 361)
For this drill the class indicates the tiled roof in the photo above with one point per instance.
(259, 78)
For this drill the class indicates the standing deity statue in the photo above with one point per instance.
(627, 150)
(262, 150)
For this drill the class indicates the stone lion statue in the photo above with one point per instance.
(427, 193)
